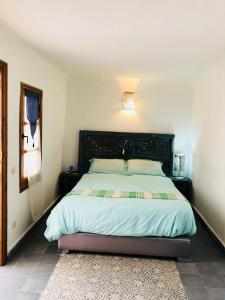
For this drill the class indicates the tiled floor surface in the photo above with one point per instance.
(29, 269)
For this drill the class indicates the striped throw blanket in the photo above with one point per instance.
(124, 194)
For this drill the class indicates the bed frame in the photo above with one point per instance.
(103, 144)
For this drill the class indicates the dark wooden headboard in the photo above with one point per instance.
(125, 145)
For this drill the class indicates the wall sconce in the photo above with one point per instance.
(128, 101)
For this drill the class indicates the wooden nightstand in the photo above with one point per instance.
(184, 185)
(67, 181)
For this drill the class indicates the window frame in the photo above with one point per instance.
(23, 181)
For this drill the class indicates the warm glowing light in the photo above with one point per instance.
(128, 84)
(129, 101)
(128, 87)
(129, 113)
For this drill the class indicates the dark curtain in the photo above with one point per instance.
(32, 105)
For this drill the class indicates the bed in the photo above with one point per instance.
(127, 224)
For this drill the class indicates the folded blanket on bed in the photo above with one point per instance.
(125, 194)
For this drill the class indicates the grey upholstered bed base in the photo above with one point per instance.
(154, 246)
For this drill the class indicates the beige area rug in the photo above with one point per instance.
(98, 277)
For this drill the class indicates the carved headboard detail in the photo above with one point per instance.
(125, 145)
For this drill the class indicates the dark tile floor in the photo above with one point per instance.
(204, 276)
(29, 269)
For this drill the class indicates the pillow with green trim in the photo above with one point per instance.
(145, 167)
(107, 166)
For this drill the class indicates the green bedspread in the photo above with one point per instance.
(121, 216)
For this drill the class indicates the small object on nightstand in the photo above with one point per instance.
(184, 185)
(67, 181)
(179, 164)
(71, 169)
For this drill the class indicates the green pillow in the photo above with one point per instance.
(107, 166)
(145, 167)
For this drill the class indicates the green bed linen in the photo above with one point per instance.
(121, 216)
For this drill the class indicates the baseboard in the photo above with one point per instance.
(209, 228)
(32, 227)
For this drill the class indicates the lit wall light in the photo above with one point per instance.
(128, 101)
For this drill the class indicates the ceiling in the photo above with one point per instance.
(122, 37)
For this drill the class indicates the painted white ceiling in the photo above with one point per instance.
(122, 37)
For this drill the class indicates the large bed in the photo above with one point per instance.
(128, 224)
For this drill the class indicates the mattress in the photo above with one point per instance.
(122, 216)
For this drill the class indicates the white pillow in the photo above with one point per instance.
(145, 167)
(107, 166)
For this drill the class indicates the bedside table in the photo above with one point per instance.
(184, 185)
(67, 181)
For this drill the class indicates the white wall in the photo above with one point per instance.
(25, 64)
(208, 146)
(94, 103)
